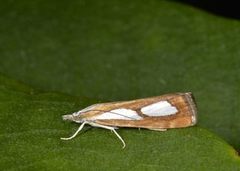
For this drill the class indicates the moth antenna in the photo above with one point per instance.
(112, 113)
(74, 135)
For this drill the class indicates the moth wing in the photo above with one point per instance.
(161, 108)
(122, 114)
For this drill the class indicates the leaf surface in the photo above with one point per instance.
(31, 128)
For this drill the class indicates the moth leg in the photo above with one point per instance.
(74, 135)
(109, 128)
(158, 129)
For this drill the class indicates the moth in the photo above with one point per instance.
(177, 110)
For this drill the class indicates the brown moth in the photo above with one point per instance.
(158, 113)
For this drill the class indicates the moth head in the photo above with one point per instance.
(68, 117)
(72, 117)
(81, 115)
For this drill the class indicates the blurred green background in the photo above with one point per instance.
(97, 51)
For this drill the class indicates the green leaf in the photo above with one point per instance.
(119, 50)
(31, 128)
